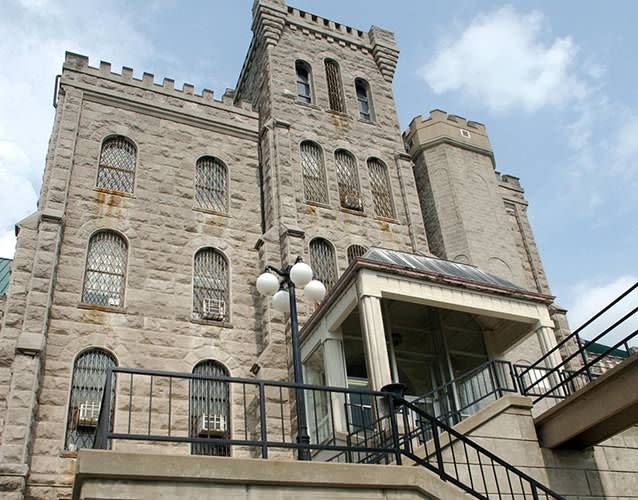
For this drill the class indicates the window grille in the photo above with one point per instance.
(87, 388)
(363, 99)
(380, 187)
(355, 251)
(348, 180)
(304, 92)
(322, 261)
(105, 273)
(314, 173)
(335, 88)
(210, 404)
(210, 280)
(211, 184)
(116, 170)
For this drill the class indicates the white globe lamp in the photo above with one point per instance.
(301, 274)
(281, 301)
(267, 283)
(315, 291)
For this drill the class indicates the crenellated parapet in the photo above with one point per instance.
(77, 63)
(385, 51)
(424, 132)
(268, 20)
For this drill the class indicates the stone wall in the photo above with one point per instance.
(163, 228)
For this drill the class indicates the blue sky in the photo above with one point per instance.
(555, 83)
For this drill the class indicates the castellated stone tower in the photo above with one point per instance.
(472, 213)
(307, 76)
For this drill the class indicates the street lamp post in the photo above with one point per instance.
(281, 283)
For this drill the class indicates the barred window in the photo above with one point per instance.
(210, 409)
(363, 99)
(355, 251)
(335, 88)
(116, 170)
(314, 173)
(348, 180)
(211, 184)
(380, 186)
(87, 387)
(304, 86)
(210, 285)
(322, 261)
(105, 274)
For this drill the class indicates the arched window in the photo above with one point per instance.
(380, 187)
(335, 88)
(116, 171)
(105, 274)
(314, 173)
(355, 251)
(304, 84)
(87, 388)
(211, 184)
(322, 261)
(348, 180)
(363, 99)
(210, 285)
(210, 409)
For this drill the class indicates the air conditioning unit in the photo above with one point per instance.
(211, 425)
(352, 200)
(88, 414)
(214, 309)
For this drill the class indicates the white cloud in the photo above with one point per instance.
(7, 243)
(503, 61)
(35, 35)
(590, 297)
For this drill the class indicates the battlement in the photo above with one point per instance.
(271, 16)
(442, 126)
(80, 63)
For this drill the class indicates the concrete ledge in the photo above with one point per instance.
(601, 409)
(101, 469)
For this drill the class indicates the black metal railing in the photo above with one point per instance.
(256, 419)
(576, 369)
(465, 395)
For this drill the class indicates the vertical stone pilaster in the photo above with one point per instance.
(335, 370)
(374, 343)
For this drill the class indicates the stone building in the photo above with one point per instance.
(159, 208)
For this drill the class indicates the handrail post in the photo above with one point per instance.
(583, 355)
(262, 420)
(437, 449)
(101, 435)
(395, 428)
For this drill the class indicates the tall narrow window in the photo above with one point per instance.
(210, 285)
(380, 187)
(355, 251)
(314, 173)
(116, 171)
(210, 409)
(304, 86)
(348, 180)
(105, 274)
(335, 88)
(87, 388)
(363, 99)
(322, 261)
(211, 184)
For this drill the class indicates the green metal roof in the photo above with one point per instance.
(596, 348)
(5, 271)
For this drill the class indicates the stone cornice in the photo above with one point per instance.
(140, 105)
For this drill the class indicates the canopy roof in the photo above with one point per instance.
(447, 268)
